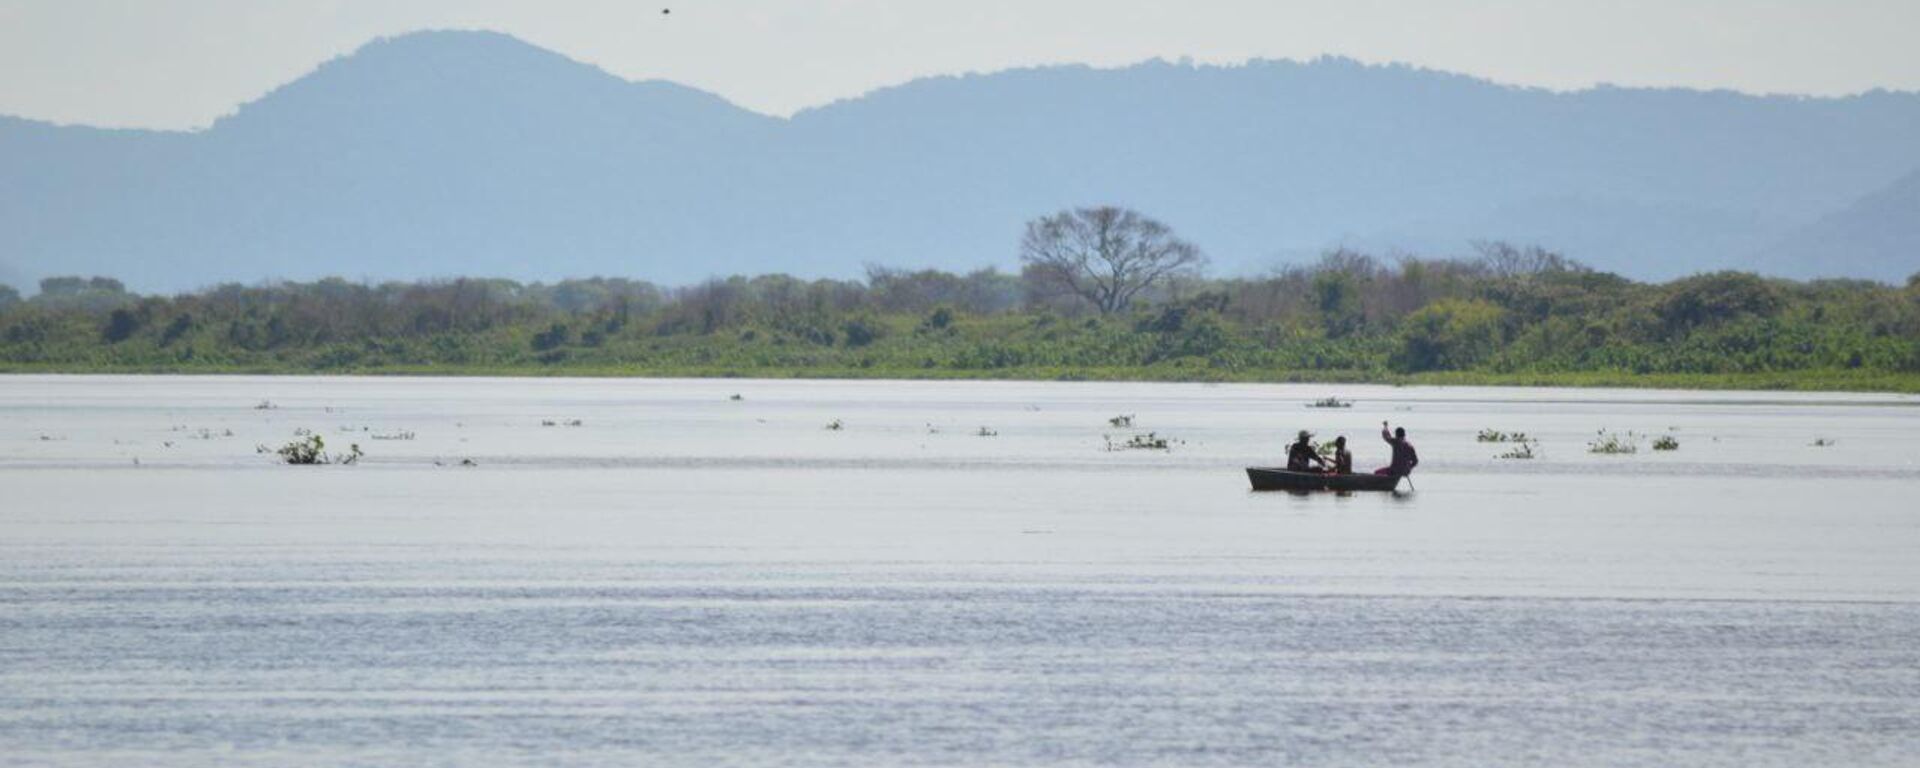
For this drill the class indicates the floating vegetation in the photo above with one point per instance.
(1330, 402)
(1614, 443)
(208, 434)
(462, 463)
(567, 423)
(1147, 442)
(1822, 442)
(312, 451)
(835, 425)
(401, 435)
(1497, 436)
(1521, 451)
(1123, 420)
(735, 397)
(1666, 443)
(987, 432)
(265, 405)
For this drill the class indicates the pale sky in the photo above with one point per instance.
(182, 63)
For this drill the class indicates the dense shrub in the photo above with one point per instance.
(1449, 335)
(1514, 310)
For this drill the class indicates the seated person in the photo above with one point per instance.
(1301, 455)
(1342, 458)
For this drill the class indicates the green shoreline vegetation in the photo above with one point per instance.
(1510, 317)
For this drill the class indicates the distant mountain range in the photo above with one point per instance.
(472, 153)
(1882, 229)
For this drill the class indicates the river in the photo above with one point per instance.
(647, 572)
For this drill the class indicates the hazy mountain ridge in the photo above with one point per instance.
(1880, 230)
(473, 153)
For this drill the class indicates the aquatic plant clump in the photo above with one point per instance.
(1666, 443)
(1497, 436)
(1123, 420)
(311, 450)
(836, 425)
(1147, 442)
(1614, 443)
(1330, 402)
(987, 432)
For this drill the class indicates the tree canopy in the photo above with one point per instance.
(1105, 256)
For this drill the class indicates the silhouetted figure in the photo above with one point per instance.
(1301, 455)
(1404, 457)
(1342, 459)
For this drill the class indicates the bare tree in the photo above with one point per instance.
(1504, 259)
(1104, 255)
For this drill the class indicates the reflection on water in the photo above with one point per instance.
(690, 578)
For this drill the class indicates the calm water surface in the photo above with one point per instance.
(686, 578)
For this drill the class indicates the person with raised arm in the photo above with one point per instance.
(1404, 457)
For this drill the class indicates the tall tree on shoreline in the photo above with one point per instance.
(1105, 255)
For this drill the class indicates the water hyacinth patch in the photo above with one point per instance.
(1614, 443)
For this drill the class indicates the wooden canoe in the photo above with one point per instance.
(1269, 479)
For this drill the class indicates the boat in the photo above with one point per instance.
(1270, 479)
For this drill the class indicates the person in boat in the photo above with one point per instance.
(1404, 457)
(1301, 455)
(1342, 458)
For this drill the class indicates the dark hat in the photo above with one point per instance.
(1305, 436)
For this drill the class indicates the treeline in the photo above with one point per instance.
(1510, 311)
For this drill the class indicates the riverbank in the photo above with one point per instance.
(1785, 381)
(1332, 324)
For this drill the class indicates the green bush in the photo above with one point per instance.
(1451, 334)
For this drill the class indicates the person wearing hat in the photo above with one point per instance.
(1301, 454)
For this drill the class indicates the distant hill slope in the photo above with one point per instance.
(1877, 236)
(448, 153)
